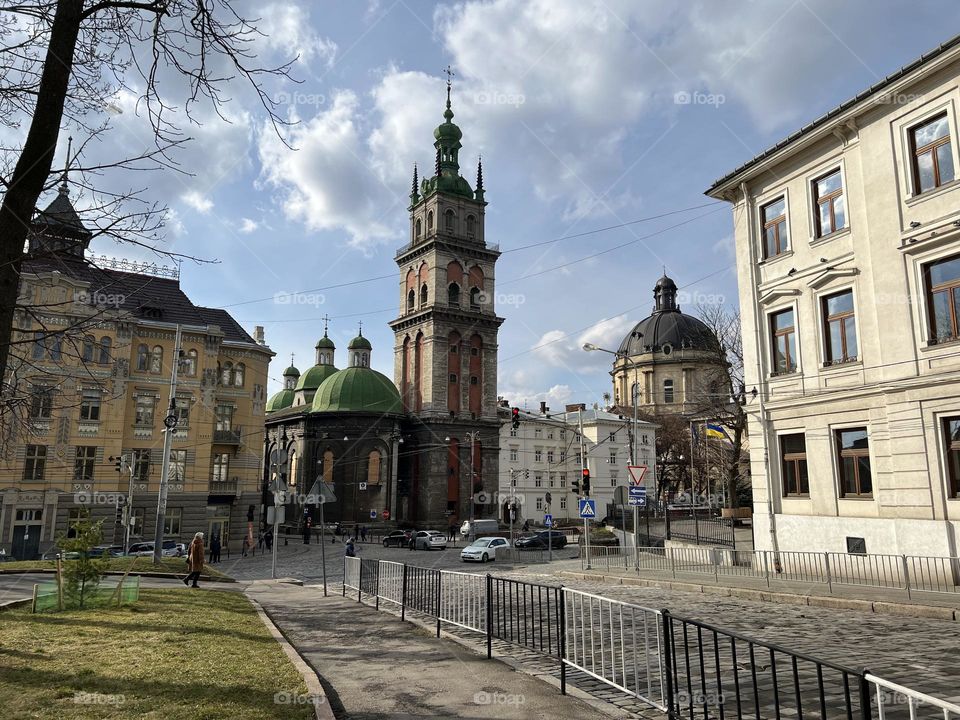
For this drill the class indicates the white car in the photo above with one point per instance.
(483, 549)
(430, 540)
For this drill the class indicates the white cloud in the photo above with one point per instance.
(287, 30)
(247, 226)
(197, 201)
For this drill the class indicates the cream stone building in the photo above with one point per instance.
(89, 381)
(848, 253)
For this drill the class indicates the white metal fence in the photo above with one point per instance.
(390, 582)
(910, 573)
(463, 600)
(351, 573)
(890, 698)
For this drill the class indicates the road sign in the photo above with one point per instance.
(320, 493)
(588, 508)
(363, 486)
(620, 495)
(385, 514)
(276, 515)
(638, 496)
(373, 514)
(636, 473)
(548, 520)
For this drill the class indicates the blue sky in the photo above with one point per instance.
(588, 114)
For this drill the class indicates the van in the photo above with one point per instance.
(480, 527)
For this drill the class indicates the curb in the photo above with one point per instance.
(13, 604)
(148, 574)
(902, 609)
(321, 706)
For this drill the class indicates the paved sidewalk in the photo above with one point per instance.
(373, 665)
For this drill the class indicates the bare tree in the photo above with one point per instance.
(60, 60)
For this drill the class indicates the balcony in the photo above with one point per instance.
(227, 437)
(224, 487)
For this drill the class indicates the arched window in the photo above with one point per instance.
(225, 372)
(39, 347)
(364, 359)
(373, 468)
(471, 222)
(411, 301)
(56, 347)
(475, 298)
(294, 468)
(419, 228)
(453, 295)
(668, 391)
(453, 372)
(430, 221)
(105, 350)
(328, 466)
(423, 295)
(143, 358)
(238, 372)
(156, 359)
(190, 363)
(88, 343)
(449, 219)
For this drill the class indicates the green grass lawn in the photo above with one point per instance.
(120, 564)
(176, 654)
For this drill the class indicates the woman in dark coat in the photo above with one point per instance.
(195, 557)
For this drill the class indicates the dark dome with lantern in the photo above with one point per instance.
(667, 329)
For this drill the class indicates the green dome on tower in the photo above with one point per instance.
(291, 372)
(357, 389)
(325, 343)
(281, 400)
(359, 343)
(313, 377)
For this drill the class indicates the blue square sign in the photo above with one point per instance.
(547, 520)
(588, 508)
(638, 495)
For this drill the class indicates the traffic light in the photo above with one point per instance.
(586, 482)
(526, 474)
(515, 415)
(575, 486)
(117, 463)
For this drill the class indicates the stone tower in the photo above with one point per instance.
(446, 342)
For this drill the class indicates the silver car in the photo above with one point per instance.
(483, 549)
(430, 540)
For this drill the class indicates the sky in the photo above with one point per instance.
(600, 124)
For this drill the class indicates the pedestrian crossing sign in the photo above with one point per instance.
(588, 508)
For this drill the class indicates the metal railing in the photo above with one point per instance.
(910, 573)
(463, 600)
(525, 614)
(616, 642)
(890, 698)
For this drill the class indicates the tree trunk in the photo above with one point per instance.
(36, 159)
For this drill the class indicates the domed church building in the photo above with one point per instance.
(671, 357)
(423, 447)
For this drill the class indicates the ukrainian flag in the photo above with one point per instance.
(717, 431)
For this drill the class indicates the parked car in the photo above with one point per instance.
(398, 538)
(542, 540)
(430, 540)
(480, 527)
(53, 554)
(106, 551)
(483, 549)
(145, 549)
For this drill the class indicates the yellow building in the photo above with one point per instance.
(90, 380)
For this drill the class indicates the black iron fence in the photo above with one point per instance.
(656, 524)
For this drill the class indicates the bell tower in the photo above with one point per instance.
(445, 349)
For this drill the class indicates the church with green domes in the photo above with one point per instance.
(423, 448)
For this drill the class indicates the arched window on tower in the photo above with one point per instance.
(105, 343)
(411, 301)
(453, 372)
(449, 220)
(476, 375)
(453, 295)
(471, 225)
(419, 228)
(373, 468)
(430, 221)
(668, 391)
(423, 295)
(474, 298)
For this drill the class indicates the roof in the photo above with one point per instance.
(313, 377)
(359, 343)
(61, 218)
(592, 415)
(839, 109)
(281, 400)
(357, 389)
(142, 296)
(667, 327)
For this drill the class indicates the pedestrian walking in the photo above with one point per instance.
(452, 532)
(246, 545)
(363, 533)
(215, 549)
(195, 556)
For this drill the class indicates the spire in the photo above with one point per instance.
(326, 318)
(448, 113)
(414, 192)
(64, 190)
(360, 328)
(479, 193)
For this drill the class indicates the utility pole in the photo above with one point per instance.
(128, 515)
(583, 466)
(169, 428)
(633, 461)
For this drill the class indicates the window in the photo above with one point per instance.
(226, 373)
(942, 280)
(419, 228)
(188, 363)
(181, 409)
(141, 464)
(423, 295)
(830, 213)
(784, 342)
(56, 345)
(951, 435)
(41, 402)
(549, 433)
(224, 416)
(171, 521)
(156, 360)
(430, 221)
(105, 344)
(550, 479)
(474, 298)
(563, 434)
(793, 461)
(550, 456)
(538, 432)
(537, 480)
(775, 240)
(449, 220)
(513, 432)
(453, 295)
(84, 463)
(39, 347)
(563, 456)
(88, 342)
(143, 358)
(613, 457)
(932, 154)
(221, 467)
(514, 455)
(239, 371)
(471, 223)
(840, 329)
(144, 410)
(614, 478)
(668, 391)
(563, 479)
(35, 462)
(178, 465)
(853, 450)
(90, 405)
(538, 455)
(563, 501)
(539, 503)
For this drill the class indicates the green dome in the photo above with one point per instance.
(325, 343)
(359, 343)
(291, 372)
(357, 389)
(281, 400)
(313, 377)
(448, 131)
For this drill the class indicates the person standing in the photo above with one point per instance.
(215, 549)
(246, 544)
(363, 533)
(195, 556)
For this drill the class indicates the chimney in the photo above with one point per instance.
(258, 335)
(577, 406)
(543, 407)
